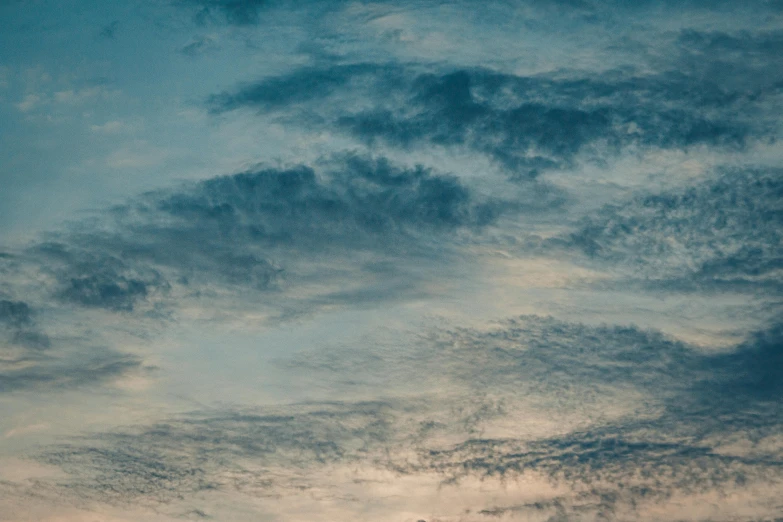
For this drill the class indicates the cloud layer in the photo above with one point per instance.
(391, 261)
(531, 123)
(691, 434)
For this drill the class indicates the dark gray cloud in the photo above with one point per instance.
(616, 472)
(590, 13)
(360, 196)
(726, 230)
(94, 278)
(714, 53)
(17, 321)
(15, 313)
(704, 401)
(358, 230)
(526, 123)
(743, 390)
(745, 65)
(261, 229)
(721, 399)
(306, 84)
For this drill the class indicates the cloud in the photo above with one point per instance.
(245, 13)
(679, 407)
(115, 127)
(302, 86)
(265, 230)
(67, 371)
(527, 418)
(527, 124)
(749, 50)
(15, 313)
(16, 318)
(97, 279)
(725, 230)
(547, 361)
(65, 98)
(161, 462)
(29, 102)
(686, 435)
(83, 96)
(744, 64)
(743, 391)
(718, 433)
(355, 232)
(31, 361)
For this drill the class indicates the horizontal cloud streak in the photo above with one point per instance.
(682, 446)
(525, 123)
(256, 228)
(74, 370)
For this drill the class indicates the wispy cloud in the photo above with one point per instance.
(681, 439)
(725, 230)
(528, 124)
(262, 229)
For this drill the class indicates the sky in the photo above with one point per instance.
(266, 260)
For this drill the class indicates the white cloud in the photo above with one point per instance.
(30, 102)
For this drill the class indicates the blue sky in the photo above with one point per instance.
(419, 260)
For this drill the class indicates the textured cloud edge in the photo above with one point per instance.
(723, 231)
(549, 420)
